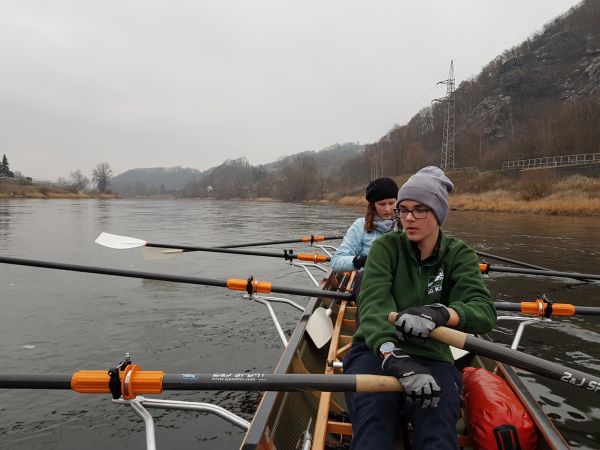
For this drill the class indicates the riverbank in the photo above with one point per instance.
(15, 189)
(576, 195)
(566, 203)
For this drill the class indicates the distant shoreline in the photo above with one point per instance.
(575, 201)
(16, 189)
(55, 196)
(504, 202)
(485, 202)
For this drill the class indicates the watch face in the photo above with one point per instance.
(387, 347)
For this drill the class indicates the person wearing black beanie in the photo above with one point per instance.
(379, 219)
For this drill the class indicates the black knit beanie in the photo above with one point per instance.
(380, 189)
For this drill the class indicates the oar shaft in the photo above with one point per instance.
(35, 381)
(98, 382)
(115, 272)
(275, 382)
(308, 239)
(166, 277)
(511, 261)
(283, 254)
(485, 268)
(518, 359)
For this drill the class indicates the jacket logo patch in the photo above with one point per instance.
(435, 285)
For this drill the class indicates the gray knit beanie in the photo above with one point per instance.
(430, 187)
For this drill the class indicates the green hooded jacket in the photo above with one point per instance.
(395, 280)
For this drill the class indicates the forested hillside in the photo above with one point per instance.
(540, 98)
(303, 176)
(153, 181)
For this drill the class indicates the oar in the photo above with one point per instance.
(319, 326)
(307, 239)
(512, 357)
(511, 261)
(232, 283)
(125, 242)
(154, 382)
(541, 308)
(485, 268)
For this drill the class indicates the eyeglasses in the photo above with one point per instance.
(418, 213)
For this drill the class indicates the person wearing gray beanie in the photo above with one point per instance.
(431, 280)
(430, 187)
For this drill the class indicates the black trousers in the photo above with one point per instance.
(377, 418)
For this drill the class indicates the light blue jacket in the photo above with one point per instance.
(357, 242)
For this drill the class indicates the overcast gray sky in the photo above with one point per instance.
(192, 83)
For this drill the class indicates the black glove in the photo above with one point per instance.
(419, 385)
(359, 261)
(418, 321)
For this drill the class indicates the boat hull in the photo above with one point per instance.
(298, 420)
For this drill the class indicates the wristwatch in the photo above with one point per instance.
(386, 348)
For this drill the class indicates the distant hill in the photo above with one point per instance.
(152, 181)
(235, 173)
(328, 159)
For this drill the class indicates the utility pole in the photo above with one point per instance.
(448, 139)
(377, 164)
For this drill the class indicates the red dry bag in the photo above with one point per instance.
(496, 419)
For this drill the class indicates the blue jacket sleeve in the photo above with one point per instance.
(351, 246)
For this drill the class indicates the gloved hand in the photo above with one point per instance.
(359, 261)
(419, 385)
(418, 321)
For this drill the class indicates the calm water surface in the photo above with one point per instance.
(55, 321)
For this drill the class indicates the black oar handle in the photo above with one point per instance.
(166, 277)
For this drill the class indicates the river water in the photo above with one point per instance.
(59, 321)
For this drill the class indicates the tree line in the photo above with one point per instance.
(78, 182)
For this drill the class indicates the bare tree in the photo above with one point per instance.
(101, 175)
(78, 181)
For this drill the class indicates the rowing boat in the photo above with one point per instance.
(312, 420)
(290, 416)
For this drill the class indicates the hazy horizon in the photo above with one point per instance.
(193, 84)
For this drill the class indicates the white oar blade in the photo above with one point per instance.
(320, 327)
(157, 254)
(458, 353)
(119, 242)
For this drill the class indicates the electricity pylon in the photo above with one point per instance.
(448, 138)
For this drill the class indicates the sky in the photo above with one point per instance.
(194, 83)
